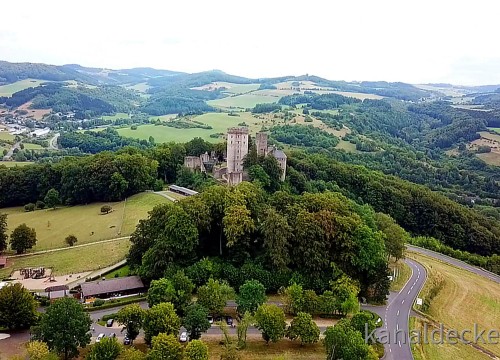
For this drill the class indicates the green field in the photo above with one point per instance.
(84, 221)
(116, 116)
(403, 274)
(497, 130)
(6, 136)
(491, 158)
(347, 146)
(220, 122)
(73, 260)
(29, 146)
(244, 101)
(8, 90)
(239, 88)
(15, 163)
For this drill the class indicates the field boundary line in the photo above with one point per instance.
(67, 248)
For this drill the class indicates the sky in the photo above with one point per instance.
(411, 41)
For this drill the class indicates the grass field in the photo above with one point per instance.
(120, 272)
(141, 87)
(231, 88)
(74, 260)
(8, 90)
(85, 221)
(116, 116)
(497, 130)
(487, 135)
(442, 351)
(218, 121)
(464, 299)
(4, 135)
(491, 158)
(347, 146)
(15, 163)
(244, 101)
(258, 350)
(403, 274)
(29, 146)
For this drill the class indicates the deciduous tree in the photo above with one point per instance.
(22, 238)
(270, 320)
(52, 198)
(252, 294)
(214, 295)
(196, 320)
(65, 327)
(131, 317)
(196, 350)
(3, 232)
(17, 307)
(161, 318)
(165, 347)
(71, 240)
(303, 328)
(107, 349)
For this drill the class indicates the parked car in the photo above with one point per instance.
(218, 319)
(229, 320)
(100, 337)
(127, 341)
(183, 337)
(210, 320)
(110, 322)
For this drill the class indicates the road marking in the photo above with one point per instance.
(398, 313)
(402, 302)
(399, 342)
(409, 292)
(397, 327)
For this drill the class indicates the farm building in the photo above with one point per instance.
(182, 190)
(104, 289)
(57, 292)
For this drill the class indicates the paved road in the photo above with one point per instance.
(17, 145)
(455, 262)
(396, 315)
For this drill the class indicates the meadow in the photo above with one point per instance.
(29, 146)
(497, 130)
(463, 299)
(492, 158)
(15, 163)
(244, 101)
(4, 135)
(9, 89)
(230, 88)
(116, 116)
(83, 221)
(73, 260)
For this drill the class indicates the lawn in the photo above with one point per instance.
(403, 273)
(83, 221)
(442, 351)
(464, 299)
(74, 260)
(120, 272)
(497, 130)
(8, 90)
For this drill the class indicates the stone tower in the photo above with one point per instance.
(261, 143)
(237, 149)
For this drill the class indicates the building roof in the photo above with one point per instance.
(278, 154)
(112, 285)
(183, 189)
(56, 288)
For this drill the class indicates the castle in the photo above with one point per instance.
(237, 149)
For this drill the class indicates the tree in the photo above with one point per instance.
(252, 295)
(303, 328)
(38, 350)
(165, 347)
(52, 198)
(343, 342)
(276, 233)
(395, 235)
(258, 175)
(131, 317)
(161, 318)
(364, 323)
(294, 299)
(214, 295)
(132, 354)
(196, 350)
(107, 349)
(3, 232)
(270, 319)
(241, 329)
(106, 209)
(177, 290)
(22, 238)
(196, 320)
(17, 307)
(40, 205)
(29, 207)
(65, 327)
(71, 240)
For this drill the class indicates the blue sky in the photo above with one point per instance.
(411, 41)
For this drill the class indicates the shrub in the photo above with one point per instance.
(40, 205)
(106, 209)
(29, 207)
(98, 302)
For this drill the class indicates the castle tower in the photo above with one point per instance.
(237, 149)
(261, 143)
